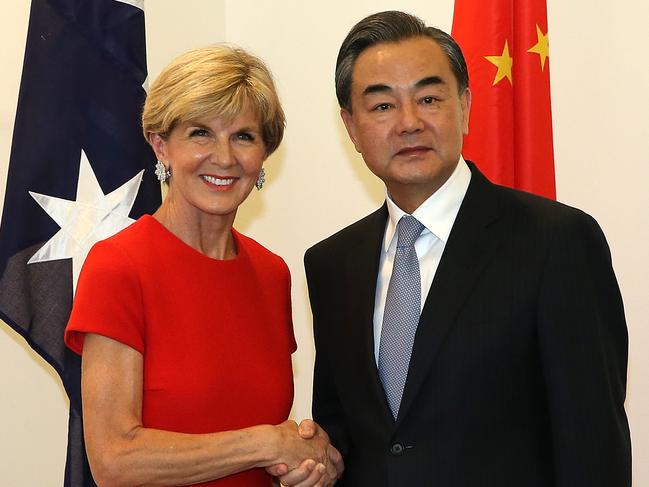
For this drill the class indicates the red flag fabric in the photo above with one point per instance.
(505, 43)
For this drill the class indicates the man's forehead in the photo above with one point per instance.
(417, 62)
(423, 47)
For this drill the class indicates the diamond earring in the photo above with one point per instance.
(261, 179)
(162, 172)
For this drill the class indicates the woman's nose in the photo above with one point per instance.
(223, 155)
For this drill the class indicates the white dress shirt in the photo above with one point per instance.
(437, 214)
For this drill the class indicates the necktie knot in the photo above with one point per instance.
(408, 229)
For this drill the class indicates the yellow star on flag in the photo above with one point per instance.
(541, 47)
(504, 63)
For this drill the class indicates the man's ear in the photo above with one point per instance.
(465, 101)
(159, 146)
(350, 125)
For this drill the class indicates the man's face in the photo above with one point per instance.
(407, 119)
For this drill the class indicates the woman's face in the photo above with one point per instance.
(214, 164)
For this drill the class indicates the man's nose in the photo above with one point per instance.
(409, 118)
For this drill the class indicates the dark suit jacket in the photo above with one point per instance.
(518, 371)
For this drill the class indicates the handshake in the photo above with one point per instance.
(304, 455)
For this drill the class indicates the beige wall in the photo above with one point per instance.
(317, 184)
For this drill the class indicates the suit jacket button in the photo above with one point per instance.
(396, 449)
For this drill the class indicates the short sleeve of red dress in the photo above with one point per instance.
(108, 300)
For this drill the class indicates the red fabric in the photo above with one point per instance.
(216, 336)
(510, 129)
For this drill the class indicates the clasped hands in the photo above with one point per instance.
(312, 462)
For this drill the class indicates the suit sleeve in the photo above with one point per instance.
(583, 344)
(327, 408)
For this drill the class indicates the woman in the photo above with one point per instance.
(185, 324)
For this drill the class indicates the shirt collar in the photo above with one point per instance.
(438, 212)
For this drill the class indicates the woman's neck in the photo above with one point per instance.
(210, 235)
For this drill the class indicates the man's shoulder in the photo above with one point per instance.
(518, 203)
(348, 238)
(529, 215)
(534, 208)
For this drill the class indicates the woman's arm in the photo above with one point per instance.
(123, 452)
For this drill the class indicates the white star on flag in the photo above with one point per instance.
(136, 3)
(92, 217)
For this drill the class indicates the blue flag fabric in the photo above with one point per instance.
(75, 173)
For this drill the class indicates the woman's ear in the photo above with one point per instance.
(159, 146)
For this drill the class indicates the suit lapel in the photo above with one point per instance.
(362, 269)
(470, 247)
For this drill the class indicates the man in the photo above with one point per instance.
(466, 334)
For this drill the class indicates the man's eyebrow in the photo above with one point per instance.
(377, 88)
(382, 88)
(428, 81)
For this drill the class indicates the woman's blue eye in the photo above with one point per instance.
(198, 133)
(245, 136)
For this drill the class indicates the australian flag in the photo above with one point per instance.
(79, 171)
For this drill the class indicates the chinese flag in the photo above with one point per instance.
(505, 43)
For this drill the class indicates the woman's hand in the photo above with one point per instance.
(291, 447)
(311, 472)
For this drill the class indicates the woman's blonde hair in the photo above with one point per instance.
(218, 80)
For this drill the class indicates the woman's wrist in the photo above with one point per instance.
(265, 439)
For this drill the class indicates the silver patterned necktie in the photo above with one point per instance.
(401, 315)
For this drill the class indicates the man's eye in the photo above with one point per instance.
(381, 107)
(429, 100)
